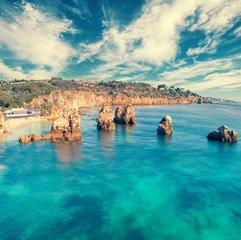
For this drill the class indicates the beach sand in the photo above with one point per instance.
(15, 123)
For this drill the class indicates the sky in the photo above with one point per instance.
(194, 44)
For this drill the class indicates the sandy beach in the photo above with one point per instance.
(15, 123)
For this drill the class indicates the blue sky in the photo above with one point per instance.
(195, 44)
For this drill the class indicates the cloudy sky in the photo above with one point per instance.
(195, 44)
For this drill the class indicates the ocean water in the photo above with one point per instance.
(126, 184)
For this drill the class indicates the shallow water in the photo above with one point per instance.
(126, 184)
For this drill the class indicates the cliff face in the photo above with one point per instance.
(57, 101)
(2, 124)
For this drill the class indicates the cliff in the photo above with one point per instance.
(58, 100)
(3, 125)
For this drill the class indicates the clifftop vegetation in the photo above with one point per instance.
(15, 94)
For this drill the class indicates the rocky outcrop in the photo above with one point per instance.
(105, 121)
(125, 115)
(25, 138)
(54, 103)
(224, 135)
(165, 126)
(66, 128)
(200, 101)
(3, 126)
(2, 123)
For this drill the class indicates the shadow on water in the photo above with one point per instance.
(105, 137)
(222, 146)
(106, 142)
(164, 139)
(125, 129)
(67, 152)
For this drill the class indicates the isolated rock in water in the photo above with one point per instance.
(223, 135)
(25, 138)
(65, 128)
(125, 115)
(165, 126)
(105, 121)
(30, 138)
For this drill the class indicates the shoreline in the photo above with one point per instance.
(12, 124)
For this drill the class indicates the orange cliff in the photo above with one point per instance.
(60, 100)
(3, 125)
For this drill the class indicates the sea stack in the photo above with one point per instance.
(125, 115)
(223, 135)
(65, 129)
(165, 126)
(105, 121)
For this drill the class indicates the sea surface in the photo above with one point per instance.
(126, 184)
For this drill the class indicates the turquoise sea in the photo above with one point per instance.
(126, 184)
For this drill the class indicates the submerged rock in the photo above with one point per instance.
(224, 135)
(105, 121)
(165, 126)
(66, 128)
(125, 115)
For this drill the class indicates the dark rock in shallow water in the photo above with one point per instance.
(125, 115)
(223, 135)
(105, 121)
(165, 126)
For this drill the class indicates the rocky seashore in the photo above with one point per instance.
(125, 115)
(64, 129)
(223, 135)
(165, 126)
(53, 104)
(3, 125)
(105, 121)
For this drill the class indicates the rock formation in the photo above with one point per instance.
(223, 135)
(3, 126)
(105, 121)
(2, 123)
(165, 126)
(58, 100)
(125, 115)
(66, 128)
(200, 100)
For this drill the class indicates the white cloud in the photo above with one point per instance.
(10, 73)
(204, 75)
(36, 37)
(113, 71)
(209, 46)
(153, 38)
(233, 86)
(216, 17)
(215, 80)
(199, 69)
(237, 32)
